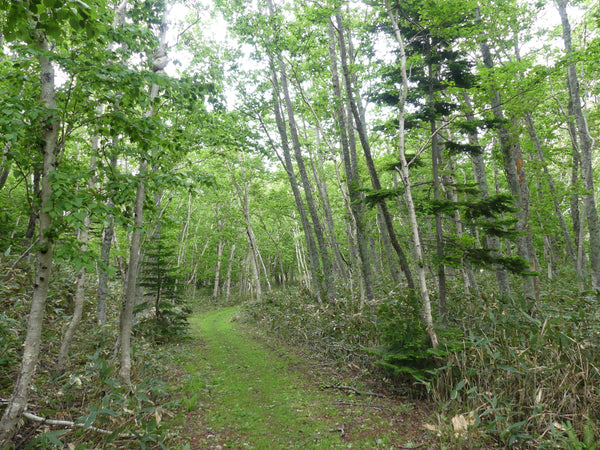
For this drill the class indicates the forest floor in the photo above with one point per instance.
(242, 389)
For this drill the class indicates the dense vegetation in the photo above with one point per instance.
(406, 186)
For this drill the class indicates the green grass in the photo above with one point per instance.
(251, 397)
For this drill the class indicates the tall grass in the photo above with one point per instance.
(531, 379)
(528, 377)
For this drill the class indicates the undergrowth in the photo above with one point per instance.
(526, 379)
(529, 379)
(89, 393)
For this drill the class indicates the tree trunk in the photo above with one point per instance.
(306, 184)
(5, 165)
(220, 245)
(313, 256)
(33, 337)
(576, 218)
(104, 262)
(479, 172)
(436, 158)
(126, 319)
(515, 175)
(217, 283)
(244, 201)
(404, 175)
(229, 269)
(368, 157)
(129, 295)
(324, 195)
(67, 341)
(586, 144)
(35, 209)
(552, 188)
(388, 249)
(344, 123)
(109, 228)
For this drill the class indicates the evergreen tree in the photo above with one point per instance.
(163, 289)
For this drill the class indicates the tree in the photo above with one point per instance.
(158, 63)
(39, 35)
(162, 284)
(585, 149)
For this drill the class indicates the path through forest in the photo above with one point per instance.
(245, 390)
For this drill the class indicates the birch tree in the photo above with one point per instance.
(40, 36)
(159, 62)
(586, 147)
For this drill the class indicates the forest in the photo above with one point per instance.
(401, 189)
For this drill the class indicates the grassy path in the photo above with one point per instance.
(245, 394)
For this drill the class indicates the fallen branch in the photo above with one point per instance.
(358, 404)
(341, 430)
(68, 423)
(353, 389)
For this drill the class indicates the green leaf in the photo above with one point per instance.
(52, 436)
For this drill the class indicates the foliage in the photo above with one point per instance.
(529, 378)
(13, 304)
(164, 293)
(405, 348)
(340, 329)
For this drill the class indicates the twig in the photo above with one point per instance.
(341, 430)
(353, 389)
(68, 423)
(358, 404)
(20, 258)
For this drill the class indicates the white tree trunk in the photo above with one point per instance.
(67, 341)
(586, 147)
(217, 284)
(126, 319)
(404, 175)
(229, 269)
(31, 346)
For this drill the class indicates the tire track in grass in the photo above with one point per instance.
(253, 399)
(249, 395)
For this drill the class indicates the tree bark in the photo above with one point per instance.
(436, 159)
(344, 124)
(479, 172)
(368, 157)
(5, 165)
(405, 176)
(67, 341)
(244, 201)
(586, 145)
(33, 337)
(552, 188)
(515, 175)
(229, 269)
(324, 196)
(217, 283)
(313, 256)
(307, 185)
(129, 297)
(35, 209)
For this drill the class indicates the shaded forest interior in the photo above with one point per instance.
(404, 186)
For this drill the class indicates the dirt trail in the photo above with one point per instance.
(244, 390)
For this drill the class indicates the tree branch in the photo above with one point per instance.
(68, 423)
